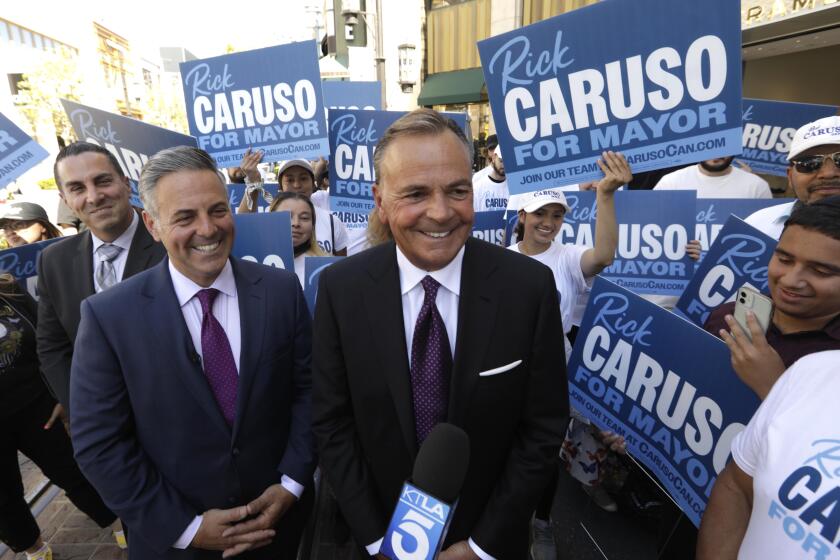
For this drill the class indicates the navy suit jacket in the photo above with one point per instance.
(147, 431)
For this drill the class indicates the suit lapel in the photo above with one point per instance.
(140, 252)
(252, 302)
(164, 318)
(477, 308)
(83, 267)
(383, 303)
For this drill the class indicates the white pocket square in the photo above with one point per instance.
(500, 369)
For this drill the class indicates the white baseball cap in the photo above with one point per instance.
(532, 202)
(295, 163)
(818, 133)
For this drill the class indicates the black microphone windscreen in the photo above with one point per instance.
(442, 462)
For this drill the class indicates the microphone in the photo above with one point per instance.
(426, 505)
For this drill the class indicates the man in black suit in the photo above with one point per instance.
(114, 246)
(435, 326)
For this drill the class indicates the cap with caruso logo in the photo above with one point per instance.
(536, 200)
(821, 132)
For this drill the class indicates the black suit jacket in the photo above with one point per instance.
(362, 406)
(65, 278)
(147, 431)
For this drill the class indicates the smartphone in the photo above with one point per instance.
(749, 299)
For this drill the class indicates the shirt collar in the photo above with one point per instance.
(186, 289)
(449, 276)
(124, 240)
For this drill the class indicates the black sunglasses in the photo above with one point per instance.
(810, 164)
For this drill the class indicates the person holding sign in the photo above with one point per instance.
(813, 173)
(804, 279)
(303, 217)
(297, 176)
(191, 386)
(423, 329)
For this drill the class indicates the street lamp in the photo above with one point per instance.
(351, 10)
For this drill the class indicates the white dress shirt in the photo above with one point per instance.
(771, 220)
(123, 242)
(226, 311)
(446, 301)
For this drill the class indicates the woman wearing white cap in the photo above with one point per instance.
(540, 219)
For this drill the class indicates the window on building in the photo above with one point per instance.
(14, 83)
(4, 32)
(26, 36)
(15, 33)
(147, 78)
(39, 43)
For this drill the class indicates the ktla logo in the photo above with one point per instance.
(433, 508)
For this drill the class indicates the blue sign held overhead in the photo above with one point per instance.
(265, 238)
(312, 268)
(131, 141)
(653, 229)
(490, 226)
(267, 99)
(712, 214)
(663, 383)
(18, 152)
(769, 127)
(352, 95)
(739, 256)
(665, 95)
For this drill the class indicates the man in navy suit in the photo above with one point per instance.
(190, 385)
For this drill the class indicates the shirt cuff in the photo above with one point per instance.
(189, 533)
(292, 486)
(373, 548)
(480, 553)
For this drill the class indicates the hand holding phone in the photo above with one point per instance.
(749, 299)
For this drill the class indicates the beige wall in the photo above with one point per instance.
(806, 77)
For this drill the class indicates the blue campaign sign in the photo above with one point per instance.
(739, 256)
(21, 262)
(131, 141)
(665, 95)
(769, 127)
(712, 213)
(352, 95)
(18, 152)
(653, 228)
(268, 99)
(265, 238)
(490, 226)
(663, 383)
(312, 268)
(236, 192)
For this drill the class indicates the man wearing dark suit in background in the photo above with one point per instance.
(190, 391)
(437, 326)
(115, 246)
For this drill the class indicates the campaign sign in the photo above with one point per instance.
(769, 127)
(131, 141)
(265, 238)
(653, 229)
(22, 262)
(418, 526)
(356, 225)
(236, 193)
(18, 152)
(666, 95)
(663, 383)
(712, 213)
(312, 268)
(267, 99)
(352, 95)
(490, 226)
(739, 256)
(353, 137)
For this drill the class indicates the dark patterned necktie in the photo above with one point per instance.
(431, 364)
(217, 357)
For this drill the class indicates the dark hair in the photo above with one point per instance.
(492, 142)
(79, 148)
(519, 229)
(283, 196)
(822, 216)
(52, 231)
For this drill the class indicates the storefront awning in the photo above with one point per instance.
(446, 88)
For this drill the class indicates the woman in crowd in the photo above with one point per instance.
(28, 413)
(541, 216)
(303, 227)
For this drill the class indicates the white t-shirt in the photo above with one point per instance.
(321, 199)
(326, 234)
(735, 184)
(791, 449)
(489, 194)
(771, 220)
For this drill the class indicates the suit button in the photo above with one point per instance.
(235, 451)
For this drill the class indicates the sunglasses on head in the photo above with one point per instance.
(810, 164)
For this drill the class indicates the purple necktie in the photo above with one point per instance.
(217, 357)
(431, 364)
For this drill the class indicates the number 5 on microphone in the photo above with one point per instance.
(418, 526)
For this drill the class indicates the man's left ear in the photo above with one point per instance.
(149, 221)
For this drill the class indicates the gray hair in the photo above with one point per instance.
(171, 160)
